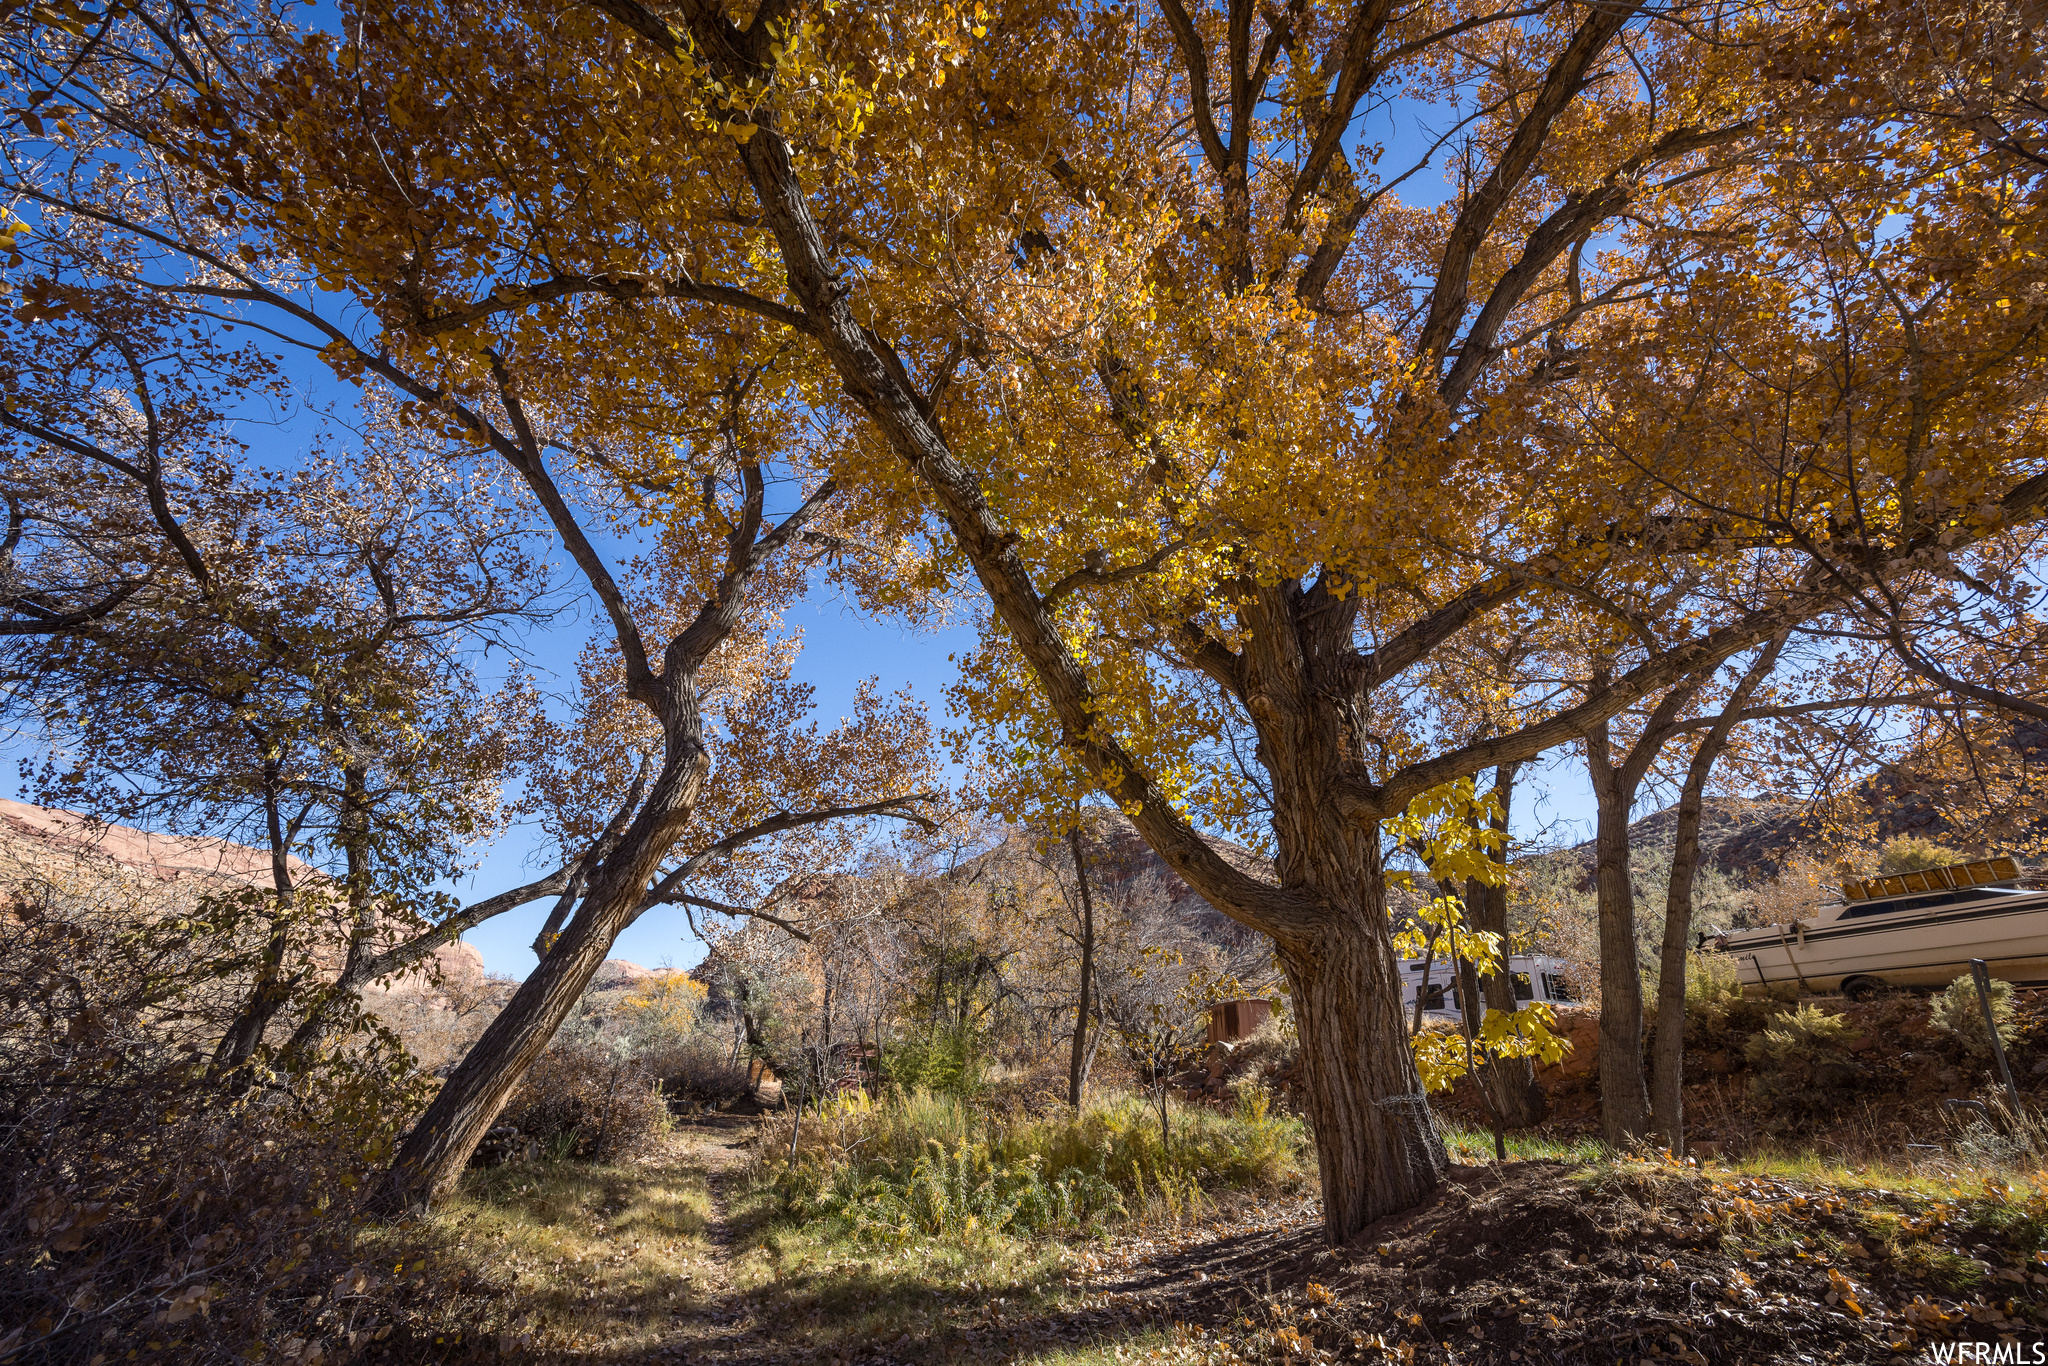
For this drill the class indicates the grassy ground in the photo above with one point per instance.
(701, 1253)
(714, 1254)
(585, 1256)
(1474, 1147)
(836, 1297)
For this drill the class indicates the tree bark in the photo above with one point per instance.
(1377, 1144)
(1624, 1093)
(1077, 1065)
(267, 994)
(1667, 1062)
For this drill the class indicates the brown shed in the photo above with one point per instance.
(1236, 1019)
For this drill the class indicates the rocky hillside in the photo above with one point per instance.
(1748, 840)
(1751, 840)
(44, 842)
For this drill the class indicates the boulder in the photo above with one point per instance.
(460, 962)
(616, 974)
(1578, 1026)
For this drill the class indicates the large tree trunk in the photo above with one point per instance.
(1624, 1097)
(1077, 1064)
(1511, 1082)
(432, 1158)
(1377, 1143)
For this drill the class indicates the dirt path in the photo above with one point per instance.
(721, 1327)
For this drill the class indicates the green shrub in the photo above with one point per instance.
(1803, 1065)
(1956, 1013)
(946, 1062)
(917, 1164)
(1710, 980)
(1713, 987)
(955, 1194)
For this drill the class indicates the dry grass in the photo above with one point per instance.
(586, 1256)
(623, 1263)
(1474, 1147)
(630, 1264)
(838, 1300)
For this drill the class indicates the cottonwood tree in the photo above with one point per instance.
(1666, 1094)
(290, 661)
(728, 463)
(1672, 744)
(1221, 426)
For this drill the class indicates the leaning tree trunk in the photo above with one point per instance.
(432, 1158)
(1624, 1097)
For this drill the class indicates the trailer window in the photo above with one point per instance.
(1558, 987)
(1433, 998)
(1524, 991)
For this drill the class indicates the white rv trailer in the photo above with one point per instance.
(1536, 978)
(1913, 930)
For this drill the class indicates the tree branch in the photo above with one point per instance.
(1367, 802)
(794, 931)
(526, 457)
(1092, 575)
(505, 298)
(1570, 221)
(1195, 58)
(1567, 75)
(1418, 638)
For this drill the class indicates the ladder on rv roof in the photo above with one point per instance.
(1979, 873)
